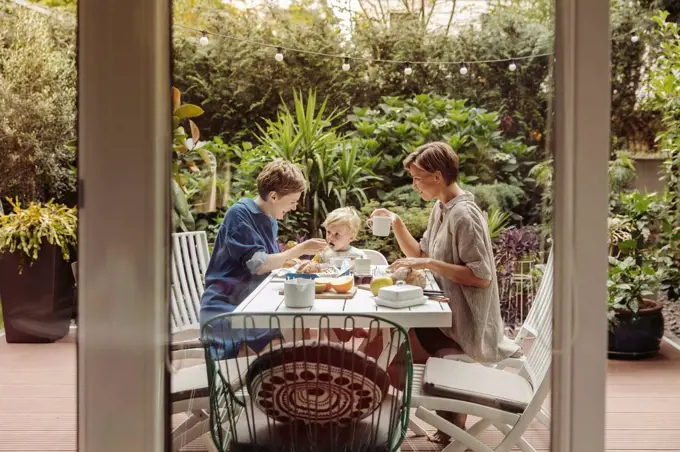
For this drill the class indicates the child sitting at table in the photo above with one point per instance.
(342, 227)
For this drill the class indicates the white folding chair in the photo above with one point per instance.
(190, 257)
(189, 262)
(375, 257)
(508, 401)
(541, 304)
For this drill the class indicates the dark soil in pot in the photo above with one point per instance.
(640, 337)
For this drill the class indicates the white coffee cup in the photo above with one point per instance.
(381, 225)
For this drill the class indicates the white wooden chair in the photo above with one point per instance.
(509, 401)
(375, 257)
(190, 257)
(189, 383)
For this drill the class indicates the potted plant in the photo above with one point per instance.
(36, 281)
(637, 271)
(636, 324)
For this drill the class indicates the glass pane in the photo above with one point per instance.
(38, 307)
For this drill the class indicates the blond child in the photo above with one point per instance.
(342, 227)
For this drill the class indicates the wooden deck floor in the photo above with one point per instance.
(38, 402)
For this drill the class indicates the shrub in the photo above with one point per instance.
(338, 169)
(38, 104)
(397, 125)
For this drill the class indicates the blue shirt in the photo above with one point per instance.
(244, 239)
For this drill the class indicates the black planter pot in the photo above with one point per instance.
(639, 338)
(37, 305)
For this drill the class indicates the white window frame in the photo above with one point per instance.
(124, 144)
(582, 143)
(124, 165)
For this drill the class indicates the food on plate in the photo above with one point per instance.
(316, 258)
(326, 282)
(309, 267)
(320, 287)
(343, 284)
(291, 263)
(410, 276)
(379, 283)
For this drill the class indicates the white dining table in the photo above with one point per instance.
(266, 300)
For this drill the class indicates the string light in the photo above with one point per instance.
(281, 49)
(408, 70)
(512, 67)
(279, 54)
(204, 38)
(634, 39)
(345, 64)
(463, 70)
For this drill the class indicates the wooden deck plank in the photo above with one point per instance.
(38, 403)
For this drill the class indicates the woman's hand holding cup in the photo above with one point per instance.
(381, 221)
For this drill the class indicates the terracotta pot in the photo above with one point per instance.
(640, 337)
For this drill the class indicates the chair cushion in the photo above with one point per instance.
(475, 383)
(316, 383)
(254, 431)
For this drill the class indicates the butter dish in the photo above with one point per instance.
(400, 293)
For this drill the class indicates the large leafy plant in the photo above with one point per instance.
(396, 126)
(665, 86)
(188, 155)
(629, 284)
(27, 230)
(338, 169)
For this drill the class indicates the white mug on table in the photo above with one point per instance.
(380, 225)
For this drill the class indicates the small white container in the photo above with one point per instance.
(400, 293)
(362, 266)
(299, 293)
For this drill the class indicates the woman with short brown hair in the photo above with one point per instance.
(246, 248)
(457, 248)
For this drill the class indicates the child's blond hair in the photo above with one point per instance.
(344, 215)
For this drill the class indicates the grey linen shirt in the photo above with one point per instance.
(458, 233)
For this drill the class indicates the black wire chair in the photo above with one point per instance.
(306, 395)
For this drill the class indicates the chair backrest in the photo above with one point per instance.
(190, 257)
(541, 304)
(376, 257)
(305, 395)
(539, 356)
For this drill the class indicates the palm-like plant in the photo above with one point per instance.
(334, 167)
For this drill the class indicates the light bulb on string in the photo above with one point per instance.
(345, 64)
(204, 38)
(512, 67)
(634, 39)
(463, 70)
(408, 70)
(279, 54)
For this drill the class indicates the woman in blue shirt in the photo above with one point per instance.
(246, 250)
